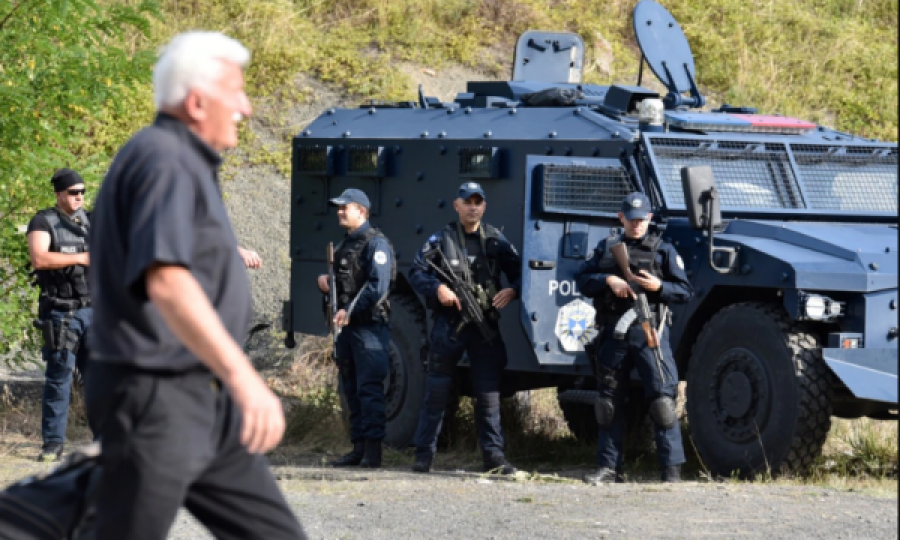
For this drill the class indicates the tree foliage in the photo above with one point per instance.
(62, 63)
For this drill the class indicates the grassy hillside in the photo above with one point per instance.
(830, 61)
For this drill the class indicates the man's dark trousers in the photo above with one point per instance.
(364, 364)
(487, 361)
(622, 355)
(58, 375)
(171, 440)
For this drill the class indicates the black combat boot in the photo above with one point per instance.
(353, 458)
(605, 475)
(422, 465)
(672, 474)
(499, 465)
(51, 452)
(372, 456)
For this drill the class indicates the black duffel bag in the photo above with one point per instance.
(52, 505)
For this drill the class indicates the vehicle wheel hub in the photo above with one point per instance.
(740, 395)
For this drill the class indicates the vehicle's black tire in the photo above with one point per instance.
(580, 418)
(404, 387)
(759, 395)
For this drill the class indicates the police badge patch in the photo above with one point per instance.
(575, 325)
(380, 257)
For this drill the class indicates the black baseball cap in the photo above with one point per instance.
(351, 196)
(636, 206)
(467, 189)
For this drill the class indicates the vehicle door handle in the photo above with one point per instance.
(535, 264)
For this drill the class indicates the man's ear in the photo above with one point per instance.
(649, 216)
(194, 105)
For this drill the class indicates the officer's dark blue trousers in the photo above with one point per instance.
(364, 362)
(622, 355)
(58, 375)
(487, 362)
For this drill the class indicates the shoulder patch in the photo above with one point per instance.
(380, 257)
(679, 261)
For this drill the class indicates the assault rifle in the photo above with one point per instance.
(470, 310)
(331, 308)
(641, 306)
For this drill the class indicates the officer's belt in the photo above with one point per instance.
(69, 304)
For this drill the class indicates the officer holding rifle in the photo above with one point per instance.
(361, 274)
(458, 273)
(632, 277)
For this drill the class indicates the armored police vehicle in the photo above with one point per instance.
(787, 230)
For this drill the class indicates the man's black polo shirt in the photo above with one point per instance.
(160, 203)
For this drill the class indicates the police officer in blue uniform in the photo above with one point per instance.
(661, 275)
(365, 270)
(58, 249)
(477, 253)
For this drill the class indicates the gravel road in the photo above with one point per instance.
(396, 504)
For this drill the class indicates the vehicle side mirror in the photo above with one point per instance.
(700, 198)
(702, 202)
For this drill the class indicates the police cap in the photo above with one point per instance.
(636, 206)
(467, 189)
(351, 196)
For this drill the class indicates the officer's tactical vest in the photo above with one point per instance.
(640, 256)
(350, 274)
(68, 234)
(484, 271)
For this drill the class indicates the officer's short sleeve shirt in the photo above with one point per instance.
(38, 223)
(160, 203)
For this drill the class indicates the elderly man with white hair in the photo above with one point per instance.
(183, 417)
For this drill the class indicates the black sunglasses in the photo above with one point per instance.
(76, 191)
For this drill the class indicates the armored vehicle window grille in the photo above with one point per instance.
(848, 178)
(312, 159)
(748, 174)
(365, 160)
(478, 162)
(570, 188)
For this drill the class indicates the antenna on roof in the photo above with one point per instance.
(666, 50)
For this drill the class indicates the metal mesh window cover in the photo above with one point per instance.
(479, 162)
(313, 159)
(584, 189)
(365, 161)
(748, 174)
(848, 178)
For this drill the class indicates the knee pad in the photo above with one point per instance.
(663, 413)
(605, 411)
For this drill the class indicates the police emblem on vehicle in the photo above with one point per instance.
(575, 325)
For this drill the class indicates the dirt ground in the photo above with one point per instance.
(453, 503)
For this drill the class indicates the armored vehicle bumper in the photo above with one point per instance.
(867, 373)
